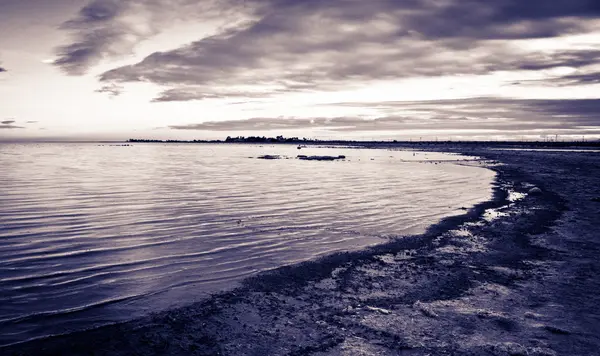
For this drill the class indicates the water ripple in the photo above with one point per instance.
(94, 234)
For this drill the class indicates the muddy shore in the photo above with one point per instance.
(518, 275)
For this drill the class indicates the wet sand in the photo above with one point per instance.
(515, 276)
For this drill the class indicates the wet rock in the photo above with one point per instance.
(531, 315)
(535, 191)
(349, 310)
(510, 348)
(269, 157)
(541, 351)
(379, 310)
(320, 158)
(556, 330)
(425, 309)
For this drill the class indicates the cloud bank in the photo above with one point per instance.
(270, 48)
(113, 28)
(481, 114)
(99, 31)
(328, 45)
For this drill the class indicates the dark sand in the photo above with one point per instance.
(523, 282)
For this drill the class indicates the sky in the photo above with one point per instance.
(353, 69)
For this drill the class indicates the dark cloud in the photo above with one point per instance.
(323, 45)
(76, 58)
(96, 35)
(267, 124)
(591, 77)
(563, 113)
(2, 126)
(112, 28)
(9, 124)
(576, 79)
(573, 58)
(489, 115)
(192, 93)
(504, 19)
(98, 11)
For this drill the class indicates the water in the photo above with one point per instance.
(94, 234)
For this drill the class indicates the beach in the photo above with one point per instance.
(516, 275)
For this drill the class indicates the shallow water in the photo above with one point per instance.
(93, 234)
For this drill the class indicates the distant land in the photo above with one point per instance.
(547, 143)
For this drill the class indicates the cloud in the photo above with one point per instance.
(575, 79)
(590, 77)
(96, 33)
(8, 124)
(201, 93)
(327, 45)
(112, 89)
(488, 112)
(571, 58)
(504, 19)
(112, 28)
(480, 114)
(267, 124)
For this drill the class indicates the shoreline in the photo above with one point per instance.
(409, 295)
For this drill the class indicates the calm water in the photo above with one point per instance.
(95, 234)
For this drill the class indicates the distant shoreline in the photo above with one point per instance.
(427, 145)
(295, 140)
(387, 143)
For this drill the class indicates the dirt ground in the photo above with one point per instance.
(518, 275)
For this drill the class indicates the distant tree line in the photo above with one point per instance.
(141, 140)
(229, 139)
(391, 143)
(264, 139)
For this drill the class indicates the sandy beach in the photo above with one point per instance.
(517, 275)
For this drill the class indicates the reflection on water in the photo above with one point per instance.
(94, 234)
